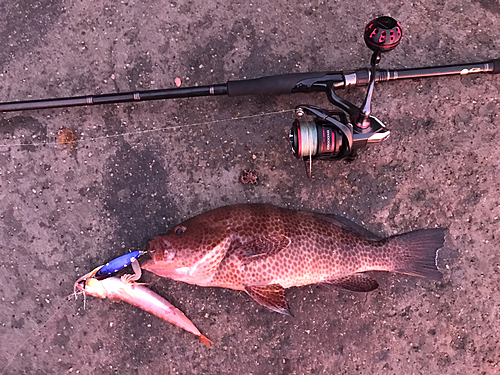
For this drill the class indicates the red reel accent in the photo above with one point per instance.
(383, 34)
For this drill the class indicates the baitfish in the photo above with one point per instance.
(264, 250)
(125, 289)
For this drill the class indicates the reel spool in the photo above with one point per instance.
(329, 136)
(319, 139)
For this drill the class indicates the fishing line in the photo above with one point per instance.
(38, 328)
(174, 127)
(339, 133)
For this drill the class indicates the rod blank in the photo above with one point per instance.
(272, 85)
(126, 97)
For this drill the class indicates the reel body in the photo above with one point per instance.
(329, 136)
(333, 135)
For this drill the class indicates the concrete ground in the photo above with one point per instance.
(139, 169)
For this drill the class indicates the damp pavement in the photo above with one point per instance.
(138, 169)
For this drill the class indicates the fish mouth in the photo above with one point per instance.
(159, 248)
(163, 272)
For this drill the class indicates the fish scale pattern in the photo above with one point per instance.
(257, 245)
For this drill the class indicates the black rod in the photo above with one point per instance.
(272, 85)
(176, 93)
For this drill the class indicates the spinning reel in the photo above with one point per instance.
(333, 135)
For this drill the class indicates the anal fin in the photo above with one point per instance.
(356, 283)
(271, 296)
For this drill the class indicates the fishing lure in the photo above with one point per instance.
(119, 263)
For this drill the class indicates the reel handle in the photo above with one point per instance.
(383, 34)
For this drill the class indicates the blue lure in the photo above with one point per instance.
(119, 263)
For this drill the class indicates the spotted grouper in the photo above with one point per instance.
(263, 250)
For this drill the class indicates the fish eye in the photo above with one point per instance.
(179, 229)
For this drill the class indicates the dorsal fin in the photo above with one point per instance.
(272, 296)
(345, 223)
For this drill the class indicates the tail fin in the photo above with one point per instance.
(417, 252)
(205, 341)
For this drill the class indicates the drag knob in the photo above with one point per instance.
(383, 34)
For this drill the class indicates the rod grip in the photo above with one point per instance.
(496, 66)
(276, 85)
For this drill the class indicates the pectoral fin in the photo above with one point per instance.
(271, 296)
(263, 246)
(357, 283)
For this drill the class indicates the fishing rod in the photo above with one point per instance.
(331, 134)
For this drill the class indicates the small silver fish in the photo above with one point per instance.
(127, 290)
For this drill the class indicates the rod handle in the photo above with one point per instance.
(284, 84)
